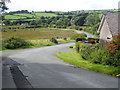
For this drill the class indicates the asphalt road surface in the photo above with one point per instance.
(88, 35)
(39, 68)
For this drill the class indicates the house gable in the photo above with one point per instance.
(105, 34)
(108, 27)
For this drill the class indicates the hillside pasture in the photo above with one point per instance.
(28, 19)
(24, 15)
(14, 17)
(39, 14)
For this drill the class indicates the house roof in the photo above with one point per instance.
(113, 22)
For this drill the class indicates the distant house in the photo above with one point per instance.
(108, 27)
(24, 24)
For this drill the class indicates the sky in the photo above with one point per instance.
(61, 5)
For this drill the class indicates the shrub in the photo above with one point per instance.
(113, 45)
(13, 43)
(96, 53)
(65, 39)
(93, 53)
(92, 30)
(82, 35)
(77, 47)
(71, 47)
(85, 51)
(78, 28)
(54, 40)
(98, 56)
(113, 59)
(113, 51)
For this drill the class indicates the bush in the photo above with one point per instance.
(93, 53)
(82, 35)
(106, 55)
(85, 51)
(13, 43)
(98, 56)
(54, 40)
(78, 28)
(113, 59)
(77, 47)
(113, 51)
(92, 30)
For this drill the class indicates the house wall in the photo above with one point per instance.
(105, 34)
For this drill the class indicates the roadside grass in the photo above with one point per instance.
(39, 43)
(75, 59)
(33, 46)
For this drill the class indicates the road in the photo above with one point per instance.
(39, 68)
(88, 35)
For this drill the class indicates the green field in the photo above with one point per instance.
(14, 17)
(27, 15)
(28, 19)
(37, 33)
(38, 14)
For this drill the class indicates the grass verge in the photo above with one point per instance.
(38, 43)
(75, 59)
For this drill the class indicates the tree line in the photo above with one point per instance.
(60, 21)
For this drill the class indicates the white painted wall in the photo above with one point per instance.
(105, 33)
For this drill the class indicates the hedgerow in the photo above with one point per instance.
(101, 54)
(14, 42)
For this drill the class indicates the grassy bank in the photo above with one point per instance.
(75, 59)
(39, 43)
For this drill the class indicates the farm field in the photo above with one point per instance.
(24, 15)
(37, 33)
(27, 15)
(38, 14)
(13, 17)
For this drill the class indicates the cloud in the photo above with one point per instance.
(61, 5)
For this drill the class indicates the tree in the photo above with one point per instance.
(7, 22)
(92, 19)
(79, 21)
(33, 22)
(3, 5)
(54, 40)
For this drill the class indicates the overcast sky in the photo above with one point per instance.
(61, 5)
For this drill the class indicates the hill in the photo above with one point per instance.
(28, 16)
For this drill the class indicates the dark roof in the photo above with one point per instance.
(113, 24)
